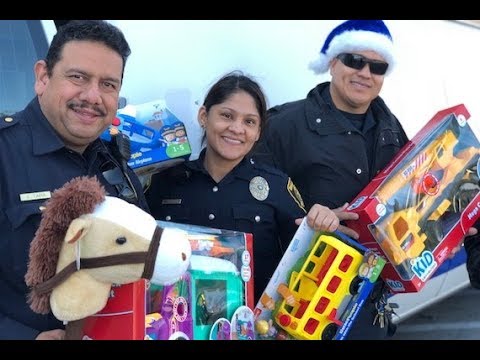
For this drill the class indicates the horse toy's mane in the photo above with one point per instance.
(76, 198)
(88, 241)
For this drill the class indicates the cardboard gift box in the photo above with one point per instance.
(318, 288)
(158, 139)
(213, 300)
(420, 206)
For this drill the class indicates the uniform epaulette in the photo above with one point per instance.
(176, 174)
(7, 121)
(268, 168)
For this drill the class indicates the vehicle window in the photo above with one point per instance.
(22, 43)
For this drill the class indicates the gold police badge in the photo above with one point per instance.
(259, 188)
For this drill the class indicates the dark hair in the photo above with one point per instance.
(232, 83)
(87, 30)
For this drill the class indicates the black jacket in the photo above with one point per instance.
(472, 247)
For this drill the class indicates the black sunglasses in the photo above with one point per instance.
(358, 62)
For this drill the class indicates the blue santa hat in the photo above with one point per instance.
(356, 35)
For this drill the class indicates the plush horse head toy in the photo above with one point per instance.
(88, 241)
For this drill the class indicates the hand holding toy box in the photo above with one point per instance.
(318, 288)
(157, 138)
(213, 300)
(421, 205)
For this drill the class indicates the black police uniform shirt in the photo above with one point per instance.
(35, 162)
(331, 159)
(187, 194)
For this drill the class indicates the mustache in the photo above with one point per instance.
(73, 105)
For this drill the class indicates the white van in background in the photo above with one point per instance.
(178, 60)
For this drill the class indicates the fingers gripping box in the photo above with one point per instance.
(318, 288)
(420, 206)
(213, 300)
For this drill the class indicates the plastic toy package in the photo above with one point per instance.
(318, 288)
(213, 300)
(420, 206)
(157, 137)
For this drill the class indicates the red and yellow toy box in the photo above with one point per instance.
(213, 300)
(421, 205)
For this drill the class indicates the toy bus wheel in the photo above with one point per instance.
(355, 285)
(330, 331)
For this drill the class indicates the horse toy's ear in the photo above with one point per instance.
(77, 229)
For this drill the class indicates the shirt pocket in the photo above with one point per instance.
(258, 220)
(389, 144)
(18, 215)
(389, 138)
(253, 213)
(24, 220)
(174, 213)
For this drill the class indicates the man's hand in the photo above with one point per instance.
(321, 218)
(57, 334)
(472, 231)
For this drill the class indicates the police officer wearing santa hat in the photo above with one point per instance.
(333, 142)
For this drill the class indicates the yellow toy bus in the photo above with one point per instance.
(310, 306)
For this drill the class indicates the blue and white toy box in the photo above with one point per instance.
(158, 138)
(318, 288)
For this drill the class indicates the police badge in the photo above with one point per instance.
(259, 188)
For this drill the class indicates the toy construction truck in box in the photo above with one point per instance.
(420, 206)
(318, 288)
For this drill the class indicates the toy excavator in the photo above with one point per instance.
(420, 198)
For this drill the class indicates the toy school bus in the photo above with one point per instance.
(420, 195)
(310, 307)
(212, 289)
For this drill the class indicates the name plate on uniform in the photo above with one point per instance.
(40, 195)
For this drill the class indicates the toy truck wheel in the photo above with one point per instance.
(433, 230)
(464, 192)
(355, 285)
(330, 331)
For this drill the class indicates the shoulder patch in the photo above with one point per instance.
(7, 121)
(295, 194)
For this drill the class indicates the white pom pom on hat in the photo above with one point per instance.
(356, 35)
